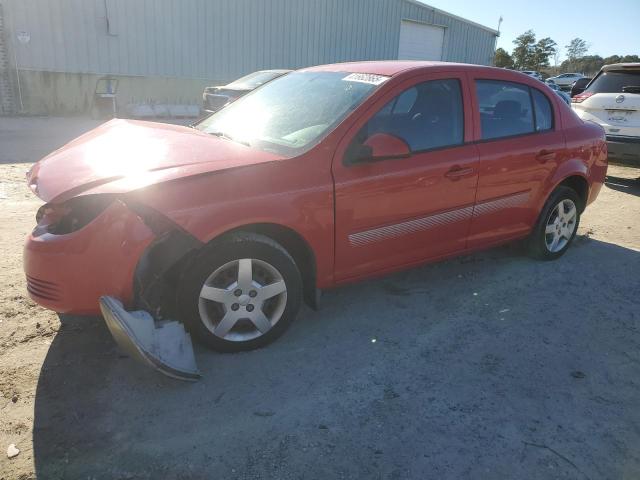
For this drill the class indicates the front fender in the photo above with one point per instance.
(211, 205)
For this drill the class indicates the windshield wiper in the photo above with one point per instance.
(221, 134)
(631, 89)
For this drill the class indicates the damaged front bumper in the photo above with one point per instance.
(67, 273)
(162, 345)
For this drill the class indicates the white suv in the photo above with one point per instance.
(612, 99)
(565, 80)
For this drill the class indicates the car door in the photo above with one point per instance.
(396, 212)
(520, 143)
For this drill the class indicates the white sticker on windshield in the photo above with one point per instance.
(369, 78)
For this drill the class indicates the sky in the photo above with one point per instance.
(608, 28)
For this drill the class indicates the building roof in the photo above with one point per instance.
(444, 12)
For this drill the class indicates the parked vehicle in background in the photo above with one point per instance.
(564, 95)
(214, 98)
(579, 86)
(612, 99)
(532, 73)
(565, 80)
(326, 176)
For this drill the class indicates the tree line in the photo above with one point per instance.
(529, 54)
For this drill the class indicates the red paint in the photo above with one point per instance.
(360, 220)
(384, 146)
(68, 273)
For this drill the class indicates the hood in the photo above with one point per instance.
(125, 155)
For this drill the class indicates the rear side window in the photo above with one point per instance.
(543, 111)
(616, 82)
(508, 109)
(505, 109)
(427, 116)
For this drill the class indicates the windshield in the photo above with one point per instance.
(293, 112)
(613, 82)
(254, 80)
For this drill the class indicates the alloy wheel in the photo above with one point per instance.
(242, 300)
(561, 225)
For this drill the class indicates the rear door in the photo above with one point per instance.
(396, 212)
(613, 101)
(520, 143)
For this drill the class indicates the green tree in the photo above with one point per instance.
(542, 52)
(577, 48)
(503, 59)
(588, 65)
(524, 50)
(630, 59)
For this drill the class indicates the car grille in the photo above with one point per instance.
(43, 289)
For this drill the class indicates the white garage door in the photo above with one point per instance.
(420, 42)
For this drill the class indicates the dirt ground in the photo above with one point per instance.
(487, 366)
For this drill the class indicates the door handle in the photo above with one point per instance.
(545, 155)
(458, 172)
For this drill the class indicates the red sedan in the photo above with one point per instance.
(327, 175)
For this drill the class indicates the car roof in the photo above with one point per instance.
(393, 67)
(275, 70)
(621, 66)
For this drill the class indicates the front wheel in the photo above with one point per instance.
(557, 225)
(240, 293)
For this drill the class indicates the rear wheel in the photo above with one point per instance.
(557, 225)
(240, 293)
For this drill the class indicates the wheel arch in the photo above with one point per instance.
(574, 174)
(297, 246)
(580, 185)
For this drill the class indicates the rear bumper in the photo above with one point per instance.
(624, 148)
(69, 273)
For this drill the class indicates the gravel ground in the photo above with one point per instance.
(487, 366)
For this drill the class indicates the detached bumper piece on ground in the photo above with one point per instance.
(164, 346)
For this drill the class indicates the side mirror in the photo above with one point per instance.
(380, 146)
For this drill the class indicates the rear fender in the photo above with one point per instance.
(568, 168)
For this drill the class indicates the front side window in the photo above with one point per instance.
(294, 112)
(505, 109)
(427, 116)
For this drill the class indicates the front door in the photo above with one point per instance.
(395, 212)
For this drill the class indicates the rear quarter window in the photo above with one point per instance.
(543, 111)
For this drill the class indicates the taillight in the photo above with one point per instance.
(581, 97)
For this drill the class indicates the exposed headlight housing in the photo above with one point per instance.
(70, 216)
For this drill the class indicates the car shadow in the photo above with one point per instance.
(431, 369)
(624, 185)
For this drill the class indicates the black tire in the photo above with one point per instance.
(536, 244)
(234, 247)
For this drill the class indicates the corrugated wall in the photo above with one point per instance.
(222, 39)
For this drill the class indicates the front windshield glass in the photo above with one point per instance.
(292, 113)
